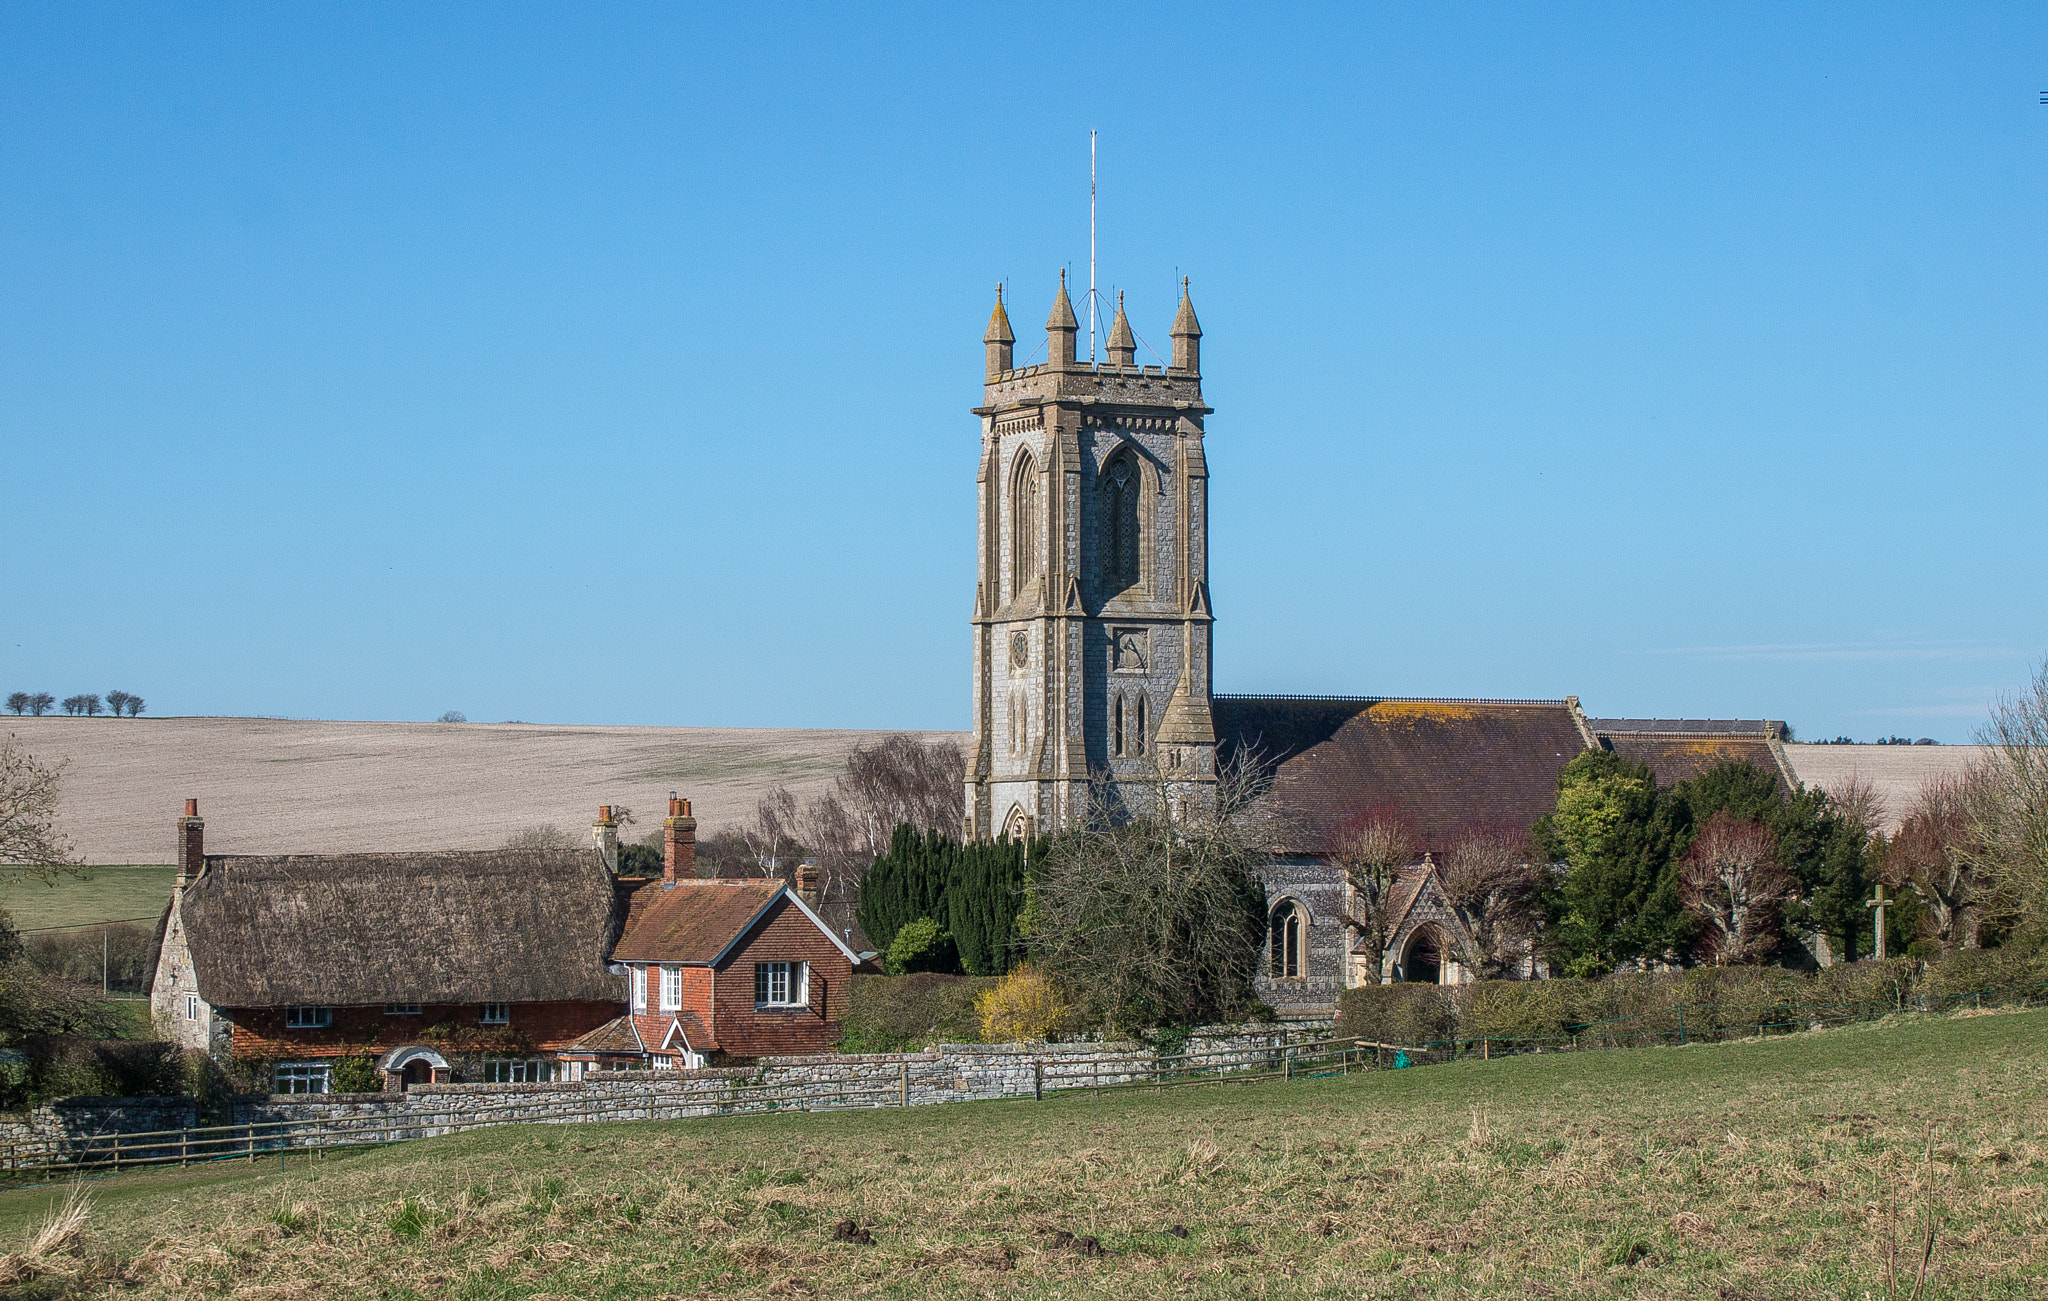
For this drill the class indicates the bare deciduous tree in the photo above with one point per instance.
(117, 701)
(1156, 918)
(30, 844)
(2009, 811)
(1732, 883)
(1935, 856)
(39, 703)
(17, 702)
(1374, 849)
(541, 836)
(1859, 803)
(1493, 885)
(136, 704)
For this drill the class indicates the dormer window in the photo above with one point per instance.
(309, 1017)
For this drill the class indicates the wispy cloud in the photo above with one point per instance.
(1842, 651)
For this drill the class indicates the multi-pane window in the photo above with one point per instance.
(1120, 524)
(191, 1007)
(516, 1070)
(671, 989)
(636, 977)
(782, 984)
(401, 1009)
(303, 1077)
(308, 1018)
(1023, 523)
(495, 1014)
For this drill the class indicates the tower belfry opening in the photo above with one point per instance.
(1091, 611)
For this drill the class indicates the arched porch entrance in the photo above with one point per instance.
(1423, 961)
(414, 1064)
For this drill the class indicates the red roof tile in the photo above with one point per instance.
(691, 921)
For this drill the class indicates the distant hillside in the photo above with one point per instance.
(1897, 771)
(268, 786)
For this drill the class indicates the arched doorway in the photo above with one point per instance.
(413, 1064)
(1424, 963)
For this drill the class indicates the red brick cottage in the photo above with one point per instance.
(721, 968)
(477, 964)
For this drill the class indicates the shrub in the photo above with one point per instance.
(1410, 1015)
(1515, 1009)
(919, 946)
(61, 1067)
(355, 1073)
(1024, 1007)
(886, 1014)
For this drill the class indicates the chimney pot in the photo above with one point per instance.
(191, 808)
(604, 813)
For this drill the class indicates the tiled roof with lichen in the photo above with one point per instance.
(1441, 765)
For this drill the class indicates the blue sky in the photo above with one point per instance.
(614, 365)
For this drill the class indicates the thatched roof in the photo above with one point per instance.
(492, 926)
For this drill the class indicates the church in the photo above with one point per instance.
(1093, 639)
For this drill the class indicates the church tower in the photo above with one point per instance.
(1091, 602)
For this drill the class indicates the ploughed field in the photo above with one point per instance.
(272, 786)
(1765, 1169)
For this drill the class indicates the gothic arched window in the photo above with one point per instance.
(1116, 726)
(1138, 726)
(1285, 940)
(1023, 523)
(1120, 484)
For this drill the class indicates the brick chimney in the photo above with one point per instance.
(807, 881)
(605, 831)
(678, 842)
(191, 844)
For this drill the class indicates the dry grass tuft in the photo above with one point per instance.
(55, 1245)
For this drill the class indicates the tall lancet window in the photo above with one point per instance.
(1023, 524)
(1120, 484)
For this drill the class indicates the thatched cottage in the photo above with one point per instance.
(492, 966)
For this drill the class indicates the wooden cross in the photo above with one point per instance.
(1880, 903)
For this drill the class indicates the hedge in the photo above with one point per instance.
(1706, 1002)
(887, 1014)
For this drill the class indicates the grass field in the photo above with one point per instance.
(1739, 1171)
(108, 894)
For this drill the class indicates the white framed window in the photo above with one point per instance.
(636, 978)
(671, 989)
(191, 1007)
(516, 1070)
(309, 1017)
(303, 1077)
(782, 984)
(495, 1014)
(401, 1009)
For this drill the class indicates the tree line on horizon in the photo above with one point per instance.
(86, 704)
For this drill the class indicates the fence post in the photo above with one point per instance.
(1038, 1079)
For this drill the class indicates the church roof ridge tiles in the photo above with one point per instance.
(1389, 700)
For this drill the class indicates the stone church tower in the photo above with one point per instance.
(1091, 604)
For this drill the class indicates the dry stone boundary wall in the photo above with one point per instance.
(946, 1073)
